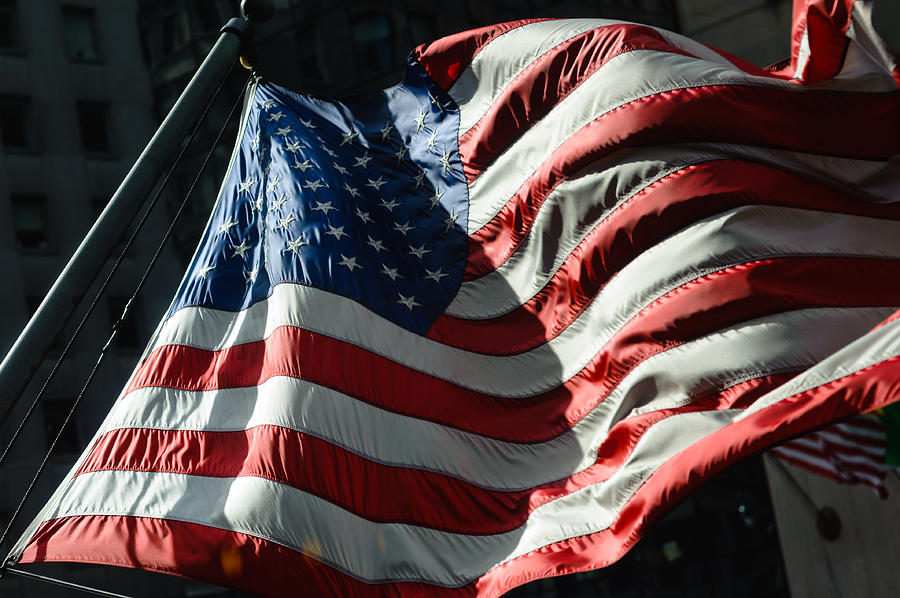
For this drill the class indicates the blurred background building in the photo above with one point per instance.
(83, 84)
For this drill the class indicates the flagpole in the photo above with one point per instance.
(30, 349)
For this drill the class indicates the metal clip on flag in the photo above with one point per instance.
(487, 325)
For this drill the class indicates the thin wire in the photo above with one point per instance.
(112, 336)
(96, 300)
(67, 584)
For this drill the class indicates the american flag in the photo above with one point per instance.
(849, 452)
(484, 326)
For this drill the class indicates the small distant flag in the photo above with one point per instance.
(850, 452)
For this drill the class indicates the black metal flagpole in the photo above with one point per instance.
(29, 350)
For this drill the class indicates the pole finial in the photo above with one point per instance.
(257, 11)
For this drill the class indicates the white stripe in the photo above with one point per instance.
(788, 341)
(296, 519)
(879, 345)
(867, 52)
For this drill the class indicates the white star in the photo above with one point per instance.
(377, 245)
(284, 130)
(279, 202)
(436, 275)
(450, 220)
(389, 205)
(255, 142)
(348, 137)
(363, 160)
(251, 275)
(225, 227)
(336, 231)
(314, 185)
(364, 216)
(431, 139)
(409, 302)
(419, 178)
(293, 147)
(420, 121)
(283, 222)
(419, 251)
(274, 183)
(445, 161)
(323, 207)
(391, 272)
(404, 228)
(328, 151)
(340, 168)
(353, 191)
(307, 123)
(295, 245)
(204, 271)
(350, 262)
(400, 153)
(377, 183)
(258, 202)
(436, 198)
(268, 104)
(303, 166)
(386, 131)
(244, 186)
(435, 101)
(276, 117)
(267, 168)
(241, 250)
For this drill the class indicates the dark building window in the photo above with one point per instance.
(9, 39)
(55, 412)
(372, 40)
(92, 117)
(127, 337)
(80, 36)
(14, 122)
(30, 221)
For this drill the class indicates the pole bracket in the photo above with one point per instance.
(241, 27)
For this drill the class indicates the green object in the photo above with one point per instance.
(890, 416)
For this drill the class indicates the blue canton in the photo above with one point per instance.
(364, 197)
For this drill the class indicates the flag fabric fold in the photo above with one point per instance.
(485, 326)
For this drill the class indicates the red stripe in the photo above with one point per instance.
(712, 302)
(864, 390)
(208, 554)
(445, 59)
(546, 81)
(804, 120)
(825, 23)
(405, 495)
(660, 209)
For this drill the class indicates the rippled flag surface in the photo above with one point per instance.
(485, 326)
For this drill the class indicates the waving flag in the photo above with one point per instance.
(850, 452)
(485, 326)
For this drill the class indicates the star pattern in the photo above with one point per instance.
(342, 207)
